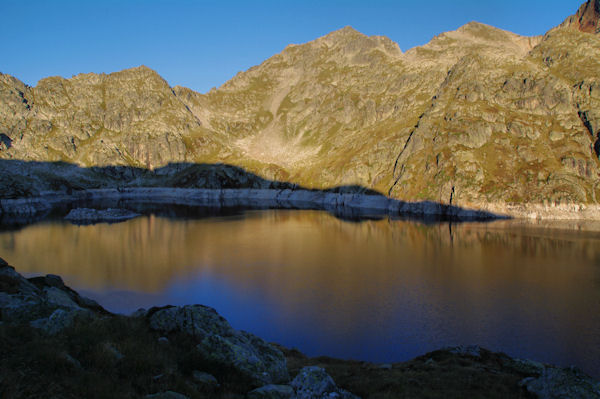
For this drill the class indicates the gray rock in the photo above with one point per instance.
(219, 343)
(58, 297)
(556, 383)
(13, 282)
(21, 308)
(465, 350)
(54, 281)
(314, 383)
(272, 392)
(87, 215)
(205, 379)
(58, 320)
(166, 395)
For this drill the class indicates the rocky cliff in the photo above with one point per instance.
(478, 116)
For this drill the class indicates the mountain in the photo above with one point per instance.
(476, 117)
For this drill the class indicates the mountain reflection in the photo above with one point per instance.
(310, 280)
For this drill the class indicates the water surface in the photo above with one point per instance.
(378, 290)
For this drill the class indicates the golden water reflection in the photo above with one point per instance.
(380, 290)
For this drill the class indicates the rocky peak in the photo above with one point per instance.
(587, 18)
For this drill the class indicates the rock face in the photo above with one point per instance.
(478, 116)
(219, 344)
(587, 18)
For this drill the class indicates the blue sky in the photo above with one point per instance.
(201, 44)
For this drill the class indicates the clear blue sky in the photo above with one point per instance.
(201, 44)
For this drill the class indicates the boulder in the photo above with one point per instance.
(59, 298)
(220, 344)
(313, 382)
(207, 381)
(272, 392)
(557, 383)
(58, 320)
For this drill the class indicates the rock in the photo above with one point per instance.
(314, 383)
(12, 282)
(58, 297)
(141, 312)
(272, 392)
(53, 280)
(88, 216)
(72, 361)
(163, 340)
(58, 320)
(166, 395)
(469, 350)
(21, 308)
(556, 383)
(218, 343)
(205, 379)
(112, 350)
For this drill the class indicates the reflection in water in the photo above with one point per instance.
(378, 290)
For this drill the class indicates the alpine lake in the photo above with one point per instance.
(377, 289)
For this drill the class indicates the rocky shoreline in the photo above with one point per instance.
(356, 203)
(50, 333)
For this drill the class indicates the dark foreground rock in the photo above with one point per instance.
(218, 343)
(56, 343)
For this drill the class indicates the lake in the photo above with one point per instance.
(378, 290)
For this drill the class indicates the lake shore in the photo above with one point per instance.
(354, 204)
(54, 342)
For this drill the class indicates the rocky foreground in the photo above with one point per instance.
(56, 343)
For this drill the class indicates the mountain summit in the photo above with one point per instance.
(587, 18)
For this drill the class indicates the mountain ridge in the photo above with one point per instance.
(476, 116)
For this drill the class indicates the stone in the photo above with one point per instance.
(58, 321)
(163, 340)
(54, 281)
(557, 383)
(58, 297)
(272, 392)
(166, 395)
(112, 350)
(206, 380)
(468, 350)
(219, 343)
(313, 382)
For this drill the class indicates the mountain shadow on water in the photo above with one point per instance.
(30, 179)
